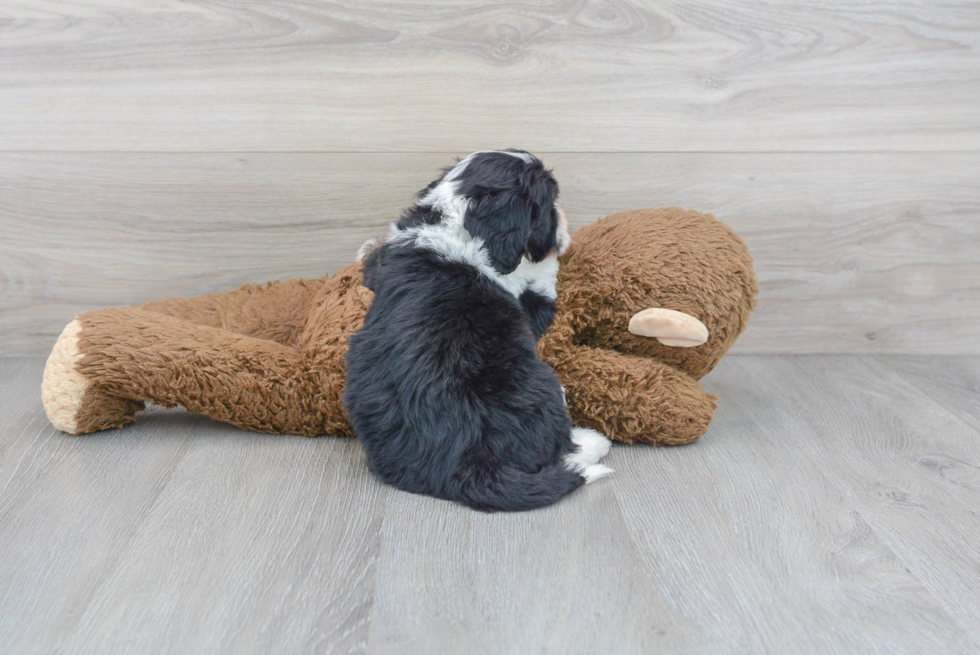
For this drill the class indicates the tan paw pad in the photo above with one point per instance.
(63, 386)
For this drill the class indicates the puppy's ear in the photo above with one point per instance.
(545, 218)
(503, 220)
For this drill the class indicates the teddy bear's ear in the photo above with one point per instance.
(669, 327)
(502, 219)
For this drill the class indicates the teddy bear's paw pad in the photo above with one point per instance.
(63, 386)
(669, 327)
(591, 446)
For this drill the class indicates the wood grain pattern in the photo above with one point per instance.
(900, 461)
(107, 541)
(941, 472)
(454, 581)
(767, 505)
(953, 382)
(830, 508)
(257, 544)
(68, 509)
(859, 253)
(617, 75)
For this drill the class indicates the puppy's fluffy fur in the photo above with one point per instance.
(444, 385)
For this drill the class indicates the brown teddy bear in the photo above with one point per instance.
(648, 302)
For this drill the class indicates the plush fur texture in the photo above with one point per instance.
(630, 387)
(270, 357)
(444, 385)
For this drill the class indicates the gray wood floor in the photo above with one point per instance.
(834, 506)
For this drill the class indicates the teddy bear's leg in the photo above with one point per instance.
(115, 359)
(276, 311)
(72, 403)
(633, 399)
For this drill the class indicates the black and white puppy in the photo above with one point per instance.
(444, 385)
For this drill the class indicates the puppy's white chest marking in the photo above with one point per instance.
(540, 277)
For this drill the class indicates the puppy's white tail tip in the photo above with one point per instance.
(594, 472)
(591, 446)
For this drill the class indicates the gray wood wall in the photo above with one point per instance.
(176, 148)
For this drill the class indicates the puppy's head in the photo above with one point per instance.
(507, 199)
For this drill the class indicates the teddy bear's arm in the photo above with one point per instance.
(632, 399)
(108, 362)
(276, 310)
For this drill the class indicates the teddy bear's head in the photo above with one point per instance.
(625, 265)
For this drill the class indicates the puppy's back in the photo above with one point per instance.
(446, 392)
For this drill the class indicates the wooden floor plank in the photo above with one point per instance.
(259, 544)
(69, 507)
(832, 507)
(22, 420)
(758, 538)
(952, 381)
(711, 75)
(902, 461)
(855, 253)
(560, 580)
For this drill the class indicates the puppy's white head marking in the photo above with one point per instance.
(562, 238)
(444, 199)
(508, 204)
(368, 247)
